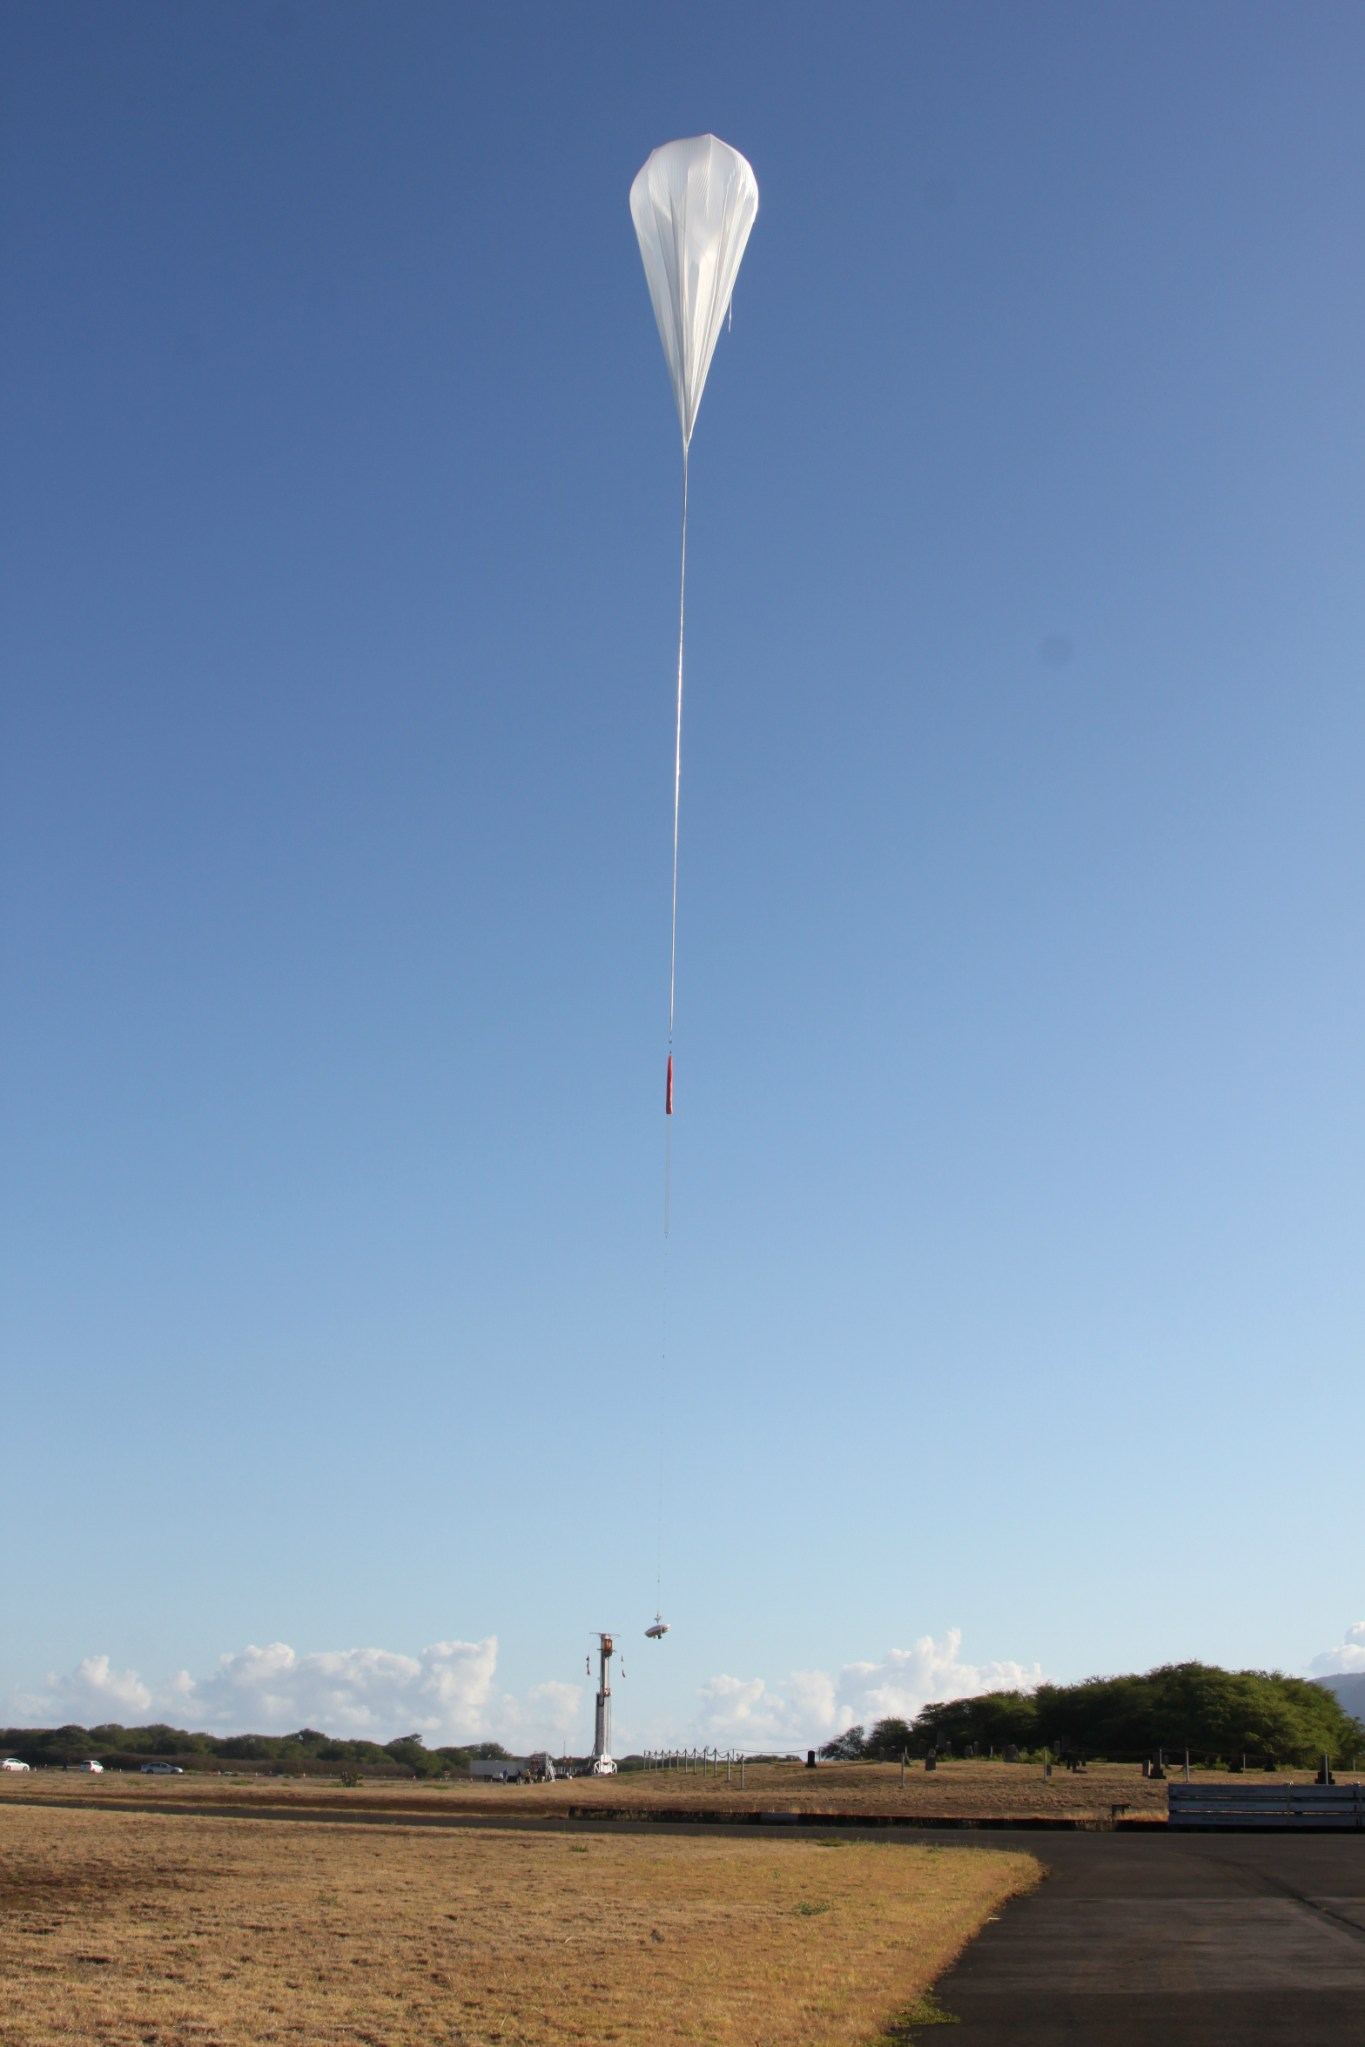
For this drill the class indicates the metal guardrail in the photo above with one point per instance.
(1302, 1808)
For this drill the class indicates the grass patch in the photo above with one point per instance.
(925, 2011)
(129, 1930)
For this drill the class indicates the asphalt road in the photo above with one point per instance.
(1203, 1940)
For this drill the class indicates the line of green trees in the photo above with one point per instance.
(126, 1748)
(1223, 1714)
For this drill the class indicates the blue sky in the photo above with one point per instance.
(1015, 1282)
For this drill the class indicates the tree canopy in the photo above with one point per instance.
(1212, 1712)
(887, 1743)
(126, 1747)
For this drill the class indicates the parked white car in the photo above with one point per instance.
(91, 1768)
(13, 1763)
(162, 1770)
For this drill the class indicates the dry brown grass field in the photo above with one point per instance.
(956, 1790)
(137, 1930)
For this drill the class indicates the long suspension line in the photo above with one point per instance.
(677, 797)
(661, 1420)
(668, 1085)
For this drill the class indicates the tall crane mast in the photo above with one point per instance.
(602, 1763)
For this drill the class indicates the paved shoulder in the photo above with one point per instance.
(1214, 1941)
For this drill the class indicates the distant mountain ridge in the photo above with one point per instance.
(1349, 1686)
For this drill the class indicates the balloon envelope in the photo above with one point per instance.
(693, 204)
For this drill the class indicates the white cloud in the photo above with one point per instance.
(808, 1706)
(552, 1716)
(1348, 1655)
(734, 1705)
(445, 1693)
(88, 1696)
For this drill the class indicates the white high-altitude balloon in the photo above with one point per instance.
(693, 204)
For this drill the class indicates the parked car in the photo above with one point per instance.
(91, 1768)
(162, 1770)
(13, 1763)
